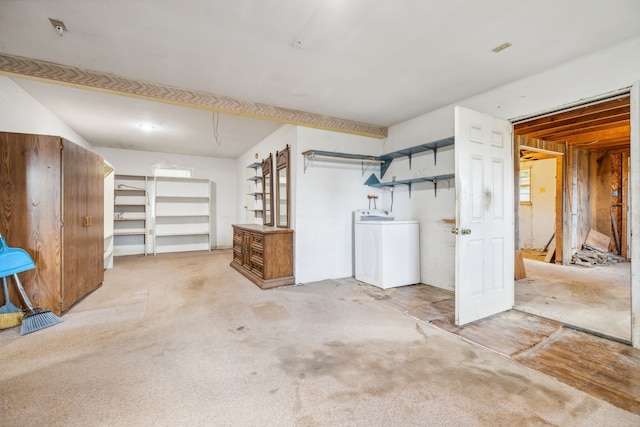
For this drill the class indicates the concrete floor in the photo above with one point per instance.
(183, 339)
(596, 299)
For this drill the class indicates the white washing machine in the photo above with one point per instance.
(386, 251)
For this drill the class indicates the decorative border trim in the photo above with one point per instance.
(62, 74)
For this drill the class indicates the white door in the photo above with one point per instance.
(484, 215)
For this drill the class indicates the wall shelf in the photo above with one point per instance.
(409, 152)
(374, 182)
(253, 202)
(384, 161)
(310, 155)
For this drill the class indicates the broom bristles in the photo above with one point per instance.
(9, 320)
(36, 319)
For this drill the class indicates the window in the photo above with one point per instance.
(171, 171)
(525, 186)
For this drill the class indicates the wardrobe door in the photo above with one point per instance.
(95, 232)
(83, 202)
(30, 211)
(74, 194)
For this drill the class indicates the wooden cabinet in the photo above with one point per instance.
(52, 201)
(263, 254)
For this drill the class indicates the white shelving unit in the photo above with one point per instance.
(255, 195)
(182, 215)
(109, 182)
(130, 215)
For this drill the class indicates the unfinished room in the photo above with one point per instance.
(330, 212)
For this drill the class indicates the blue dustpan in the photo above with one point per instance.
(13, 260)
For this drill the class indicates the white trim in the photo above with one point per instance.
(634, 193)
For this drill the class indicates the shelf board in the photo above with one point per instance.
(385, 159)
(255, 165)
(202, 233)
(182, 198)
(184, 216)
(409, 152)
(129, 219)
(374, 182)
(129, 233)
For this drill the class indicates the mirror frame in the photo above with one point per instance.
(267, 171)
(282, 162)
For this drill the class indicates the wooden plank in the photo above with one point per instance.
(604, 369)
(559, 230)
(519, 270)
(551, 251)
(509, 333)
(614, 225)
(624, 200)
(598, 241)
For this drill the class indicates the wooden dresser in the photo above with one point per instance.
(263, 254)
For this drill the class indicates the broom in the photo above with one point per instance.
(10, 315)
(34, 318)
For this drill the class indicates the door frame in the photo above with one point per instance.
(634, 192)
(634, 203)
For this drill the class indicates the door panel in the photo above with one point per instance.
(74, 268)
(484, 215)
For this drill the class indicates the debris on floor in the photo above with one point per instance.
(589, 257)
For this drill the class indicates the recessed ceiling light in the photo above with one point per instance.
(502, 47)
(148, 127)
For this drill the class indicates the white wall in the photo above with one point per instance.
(21, 113)
(537, 220)
(326, 196)
(277, 141)
(322, 199)
(221, 172)
(601, 72)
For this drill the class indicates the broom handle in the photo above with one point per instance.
(6, 290)
(22, 292)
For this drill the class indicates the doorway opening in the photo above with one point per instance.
(572, 216)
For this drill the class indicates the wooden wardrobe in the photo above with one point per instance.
(52, 206)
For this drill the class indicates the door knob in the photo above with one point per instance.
(465, 231)
(454, 230)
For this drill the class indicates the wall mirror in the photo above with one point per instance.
(267, 190)
(282, 188)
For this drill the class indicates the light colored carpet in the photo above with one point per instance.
(183, 339)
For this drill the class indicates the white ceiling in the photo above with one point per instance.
(372, 61)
